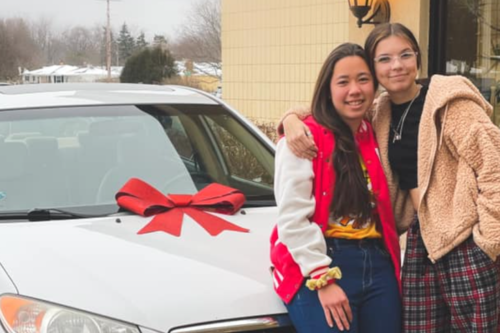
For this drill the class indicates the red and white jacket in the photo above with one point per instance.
(304, 191)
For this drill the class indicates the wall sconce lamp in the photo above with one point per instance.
(381, 11)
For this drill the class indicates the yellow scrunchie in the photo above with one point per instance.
(332, 273)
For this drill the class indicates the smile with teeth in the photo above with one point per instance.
(355, 103)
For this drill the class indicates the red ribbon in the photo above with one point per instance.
(141, 198)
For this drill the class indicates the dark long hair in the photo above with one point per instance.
(350, 195)
(383, 31)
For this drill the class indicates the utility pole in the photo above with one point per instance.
(108, 39)
(108, 43)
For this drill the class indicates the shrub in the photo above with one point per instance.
(269, 129)
(151, 65)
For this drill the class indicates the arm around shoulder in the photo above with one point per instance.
(299, 111)
(298, 136)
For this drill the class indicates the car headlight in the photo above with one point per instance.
(24, 315)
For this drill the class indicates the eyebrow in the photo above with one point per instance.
(405, 50)
(347, 76)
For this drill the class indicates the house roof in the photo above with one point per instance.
(199, 69)
(67, 70)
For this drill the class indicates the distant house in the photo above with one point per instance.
(206, 75)
(69, 74)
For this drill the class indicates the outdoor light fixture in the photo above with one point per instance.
(381, 11)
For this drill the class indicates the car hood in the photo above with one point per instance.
(153, 280)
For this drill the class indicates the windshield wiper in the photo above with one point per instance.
(43, 214)
(263, 200)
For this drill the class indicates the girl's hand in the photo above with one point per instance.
(336, 305)
(298, 138)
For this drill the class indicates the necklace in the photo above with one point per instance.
(398, 131)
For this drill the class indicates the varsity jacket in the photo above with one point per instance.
(304, 191)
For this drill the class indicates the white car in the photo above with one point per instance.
(73, 260)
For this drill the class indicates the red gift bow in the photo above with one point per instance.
(141, 198)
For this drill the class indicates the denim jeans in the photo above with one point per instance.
(370, 285)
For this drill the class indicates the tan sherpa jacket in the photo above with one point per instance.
(458, 168)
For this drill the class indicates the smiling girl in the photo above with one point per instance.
(335, 248)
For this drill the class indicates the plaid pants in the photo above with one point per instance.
(459, 293)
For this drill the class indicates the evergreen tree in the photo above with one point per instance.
(126, 44)
(141, 43)
(150, 65)
(160, 41)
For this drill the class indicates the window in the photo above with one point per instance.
(466, 41)
(241, 161)
(58, 79)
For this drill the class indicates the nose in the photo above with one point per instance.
(354, 89)
(396, 62)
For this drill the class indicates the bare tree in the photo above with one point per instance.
(41, 33)
(94, 57)
(115, 54)
(7, 65)
(56, 51)
(200, 36)
(18, 50)
(82, 45)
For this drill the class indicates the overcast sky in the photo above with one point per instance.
(150, 16)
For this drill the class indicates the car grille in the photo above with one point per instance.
(268, 324)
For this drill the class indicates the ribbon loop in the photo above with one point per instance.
(141, 198)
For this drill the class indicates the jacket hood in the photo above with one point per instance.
(445, 89)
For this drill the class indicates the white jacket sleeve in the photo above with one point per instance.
(293, 186)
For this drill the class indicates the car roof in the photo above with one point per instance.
(86, 94)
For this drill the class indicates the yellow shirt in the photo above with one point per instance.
(346, 227)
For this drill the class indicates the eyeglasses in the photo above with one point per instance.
(404, 57)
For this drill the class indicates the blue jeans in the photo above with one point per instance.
(370, 285)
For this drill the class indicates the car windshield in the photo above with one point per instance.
(78, 158)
